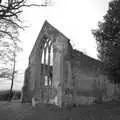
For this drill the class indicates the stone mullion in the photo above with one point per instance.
(48, 64)
(42, 51)
(42, 76)
(49, 50)
(48, 57)
(44, 64)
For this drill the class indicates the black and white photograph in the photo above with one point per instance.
(59, 59)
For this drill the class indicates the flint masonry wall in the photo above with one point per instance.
(79, 73)
(59, 51)
(84, 71)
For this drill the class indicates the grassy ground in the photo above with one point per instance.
(17, 111)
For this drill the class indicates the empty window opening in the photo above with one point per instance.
(47, 63)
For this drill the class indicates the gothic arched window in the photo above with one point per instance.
(47, 62)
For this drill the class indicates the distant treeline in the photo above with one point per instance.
(4, 95)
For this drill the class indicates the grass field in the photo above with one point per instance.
(17, 111)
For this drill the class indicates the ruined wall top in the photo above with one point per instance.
(86, 63)
(47, 31)
(74, 56)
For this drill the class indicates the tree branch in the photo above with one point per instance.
(7, 33)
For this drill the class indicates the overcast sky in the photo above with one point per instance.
(74, 18)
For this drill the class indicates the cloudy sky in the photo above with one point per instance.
(74, 18)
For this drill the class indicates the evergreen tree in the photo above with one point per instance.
(108, 41)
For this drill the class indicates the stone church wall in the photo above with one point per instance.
(80, 73)
(73, 73)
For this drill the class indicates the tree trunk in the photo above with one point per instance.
(12, 81)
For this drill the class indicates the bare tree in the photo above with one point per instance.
(8, 54)
(9, 30)
(10, 23)
(15, 50)
(10, 11)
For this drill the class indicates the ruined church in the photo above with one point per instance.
(56, 72)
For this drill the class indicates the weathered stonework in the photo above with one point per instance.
(59, 80)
